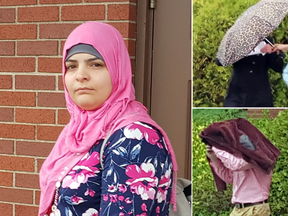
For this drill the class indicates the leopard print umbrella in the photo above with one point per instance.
(256, 23)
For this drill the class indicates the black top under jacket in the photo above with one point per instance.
(249, 85)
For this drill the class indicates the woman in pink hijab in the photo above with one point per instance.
(139, 167)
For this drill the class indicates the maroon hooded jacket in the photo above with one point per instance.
(240, 136)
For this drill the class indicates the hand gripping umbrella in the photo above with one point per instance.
(256, 23)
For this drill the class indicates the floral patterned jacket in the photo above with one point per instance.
(136, 179)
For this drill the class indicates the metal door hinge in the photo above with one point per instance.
(152, 4)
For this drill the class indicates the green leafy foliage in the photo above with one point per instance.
(207, 116)
(276, 131)
(211, 20)
(208, 202)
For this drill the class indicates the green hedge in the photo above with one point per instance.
(211, 19)
(208, 202)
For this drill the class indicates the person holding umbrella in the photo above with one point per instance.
(249, 85)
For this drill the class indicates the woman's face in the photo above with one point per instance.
(87, 80)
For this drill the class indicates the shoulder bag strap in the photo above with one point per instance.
(102, 150)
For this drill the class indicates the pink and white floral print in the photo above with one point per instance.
(143, 214)
(138, 130)
(76, 200)
(164, 184)
(90, 160)
(128, 200)
(112, 188)
(144, 207)
(113, 198)
(121, 198)
(122, 188)
(77, 176)
(142, 180)
(82, 171)
(136, 179)
(56, 212)
(91, 212)
(89, 192)
(157, 209)
(105, 197)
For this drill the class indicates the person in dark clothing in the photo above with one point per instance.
(249, 84)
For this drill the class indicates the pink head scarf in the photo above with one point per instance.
(86, 127)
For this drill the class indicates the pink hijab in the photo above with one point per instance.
(86, 127)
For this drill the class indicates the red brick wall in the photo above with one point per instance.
(32, 105)
(257, 113)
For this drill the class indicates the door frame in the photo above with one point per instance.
(144, 50)
(143, 69)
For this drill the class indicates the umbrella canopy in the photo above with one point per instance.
(256, 23)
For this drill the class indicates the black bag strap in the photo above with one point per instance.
(187, 190)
